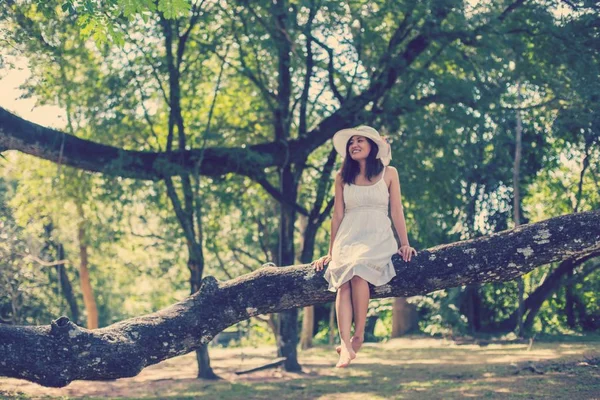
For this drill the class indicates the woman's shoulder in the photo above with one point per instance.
(391, 174)
(338, 176)
(391, 171)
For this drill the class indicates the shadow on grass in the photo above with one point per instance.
(415, 368)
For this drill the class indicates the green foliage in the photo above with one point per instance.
(28, 291)
(451, 116)
(441, 314)
(173, 8)
(132, 7)
(98, 20)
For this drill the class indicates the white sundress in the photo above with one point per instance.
(364, 243)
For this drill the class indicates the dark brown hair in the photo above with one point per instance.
(351, 168)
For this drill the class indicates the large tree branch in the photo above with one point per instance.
(56, 354)
(30, 138)
(36, 140)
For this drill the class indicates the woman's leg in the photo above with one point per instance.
(343, 308)
(360, 304)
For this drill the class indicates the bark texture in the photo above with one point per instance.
(60, 147)
(56, 354)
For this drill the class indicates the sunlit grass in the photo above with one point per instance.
(409, 368)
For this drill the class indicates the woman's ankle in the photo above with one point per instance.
(360, 338)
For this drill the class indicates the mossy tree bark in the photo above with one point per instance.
(56, 354)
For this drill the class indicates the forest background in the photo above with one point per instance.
(491, 108)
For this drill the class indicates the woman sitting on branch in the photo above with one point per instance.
(362, 242)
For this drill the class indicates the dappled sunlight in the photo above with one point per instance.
(427, 352)
(420, 368)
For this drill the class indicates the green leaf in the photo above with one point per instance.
(173, 8)
(132, 7)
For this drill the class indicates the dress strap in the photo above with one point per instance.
(382, 175)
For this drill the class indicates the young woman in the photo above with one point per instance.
(362, 242)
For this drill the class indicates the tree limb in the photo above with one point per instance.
(36, 140)
(33, 139)
(57, 354)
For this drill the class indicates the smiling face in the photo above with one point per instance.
(358, 147)
(361, 159)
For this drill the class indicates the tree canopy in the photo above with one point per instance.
(197, 134)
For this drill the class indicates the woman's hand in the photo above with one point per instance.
(406, 252)
(321, 262)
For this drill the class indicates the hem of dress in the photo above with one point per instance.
(365, 273)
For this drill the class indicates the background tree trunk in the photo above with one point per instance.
(65, 285)
(332, 324)
(84, 274)
(570, 300)
(310, 224)
(404, 317)
(472, 303)
(58, 254)
(308, 327)
(517, 210)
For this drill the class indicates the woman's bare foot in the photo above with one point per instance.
(356, 344)
(346, 355)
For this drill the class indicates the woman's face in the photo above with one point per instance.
(358, 147)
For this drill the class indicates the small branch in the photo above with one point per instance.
(272, 364)
(327, 211)
(273, 191)
(258, 260)
(150, 61)
(221, 263)
(510, 9)
(330, 66)
(45, 263)
(533, 106)
(242, 263)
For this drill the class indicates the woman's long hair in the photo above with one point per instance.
(351, 168)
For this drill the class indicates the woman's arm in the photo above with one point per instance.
(396, 208)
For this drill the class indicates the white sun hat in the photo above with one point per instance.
(340, 140)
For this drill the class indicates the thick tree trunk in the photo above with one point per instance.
(404, 317)
(288, 320)
(288, 329)
(204, 369)
(56, 354)
(84, 275)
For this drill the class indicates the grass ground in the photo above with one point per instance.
(407, 368)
